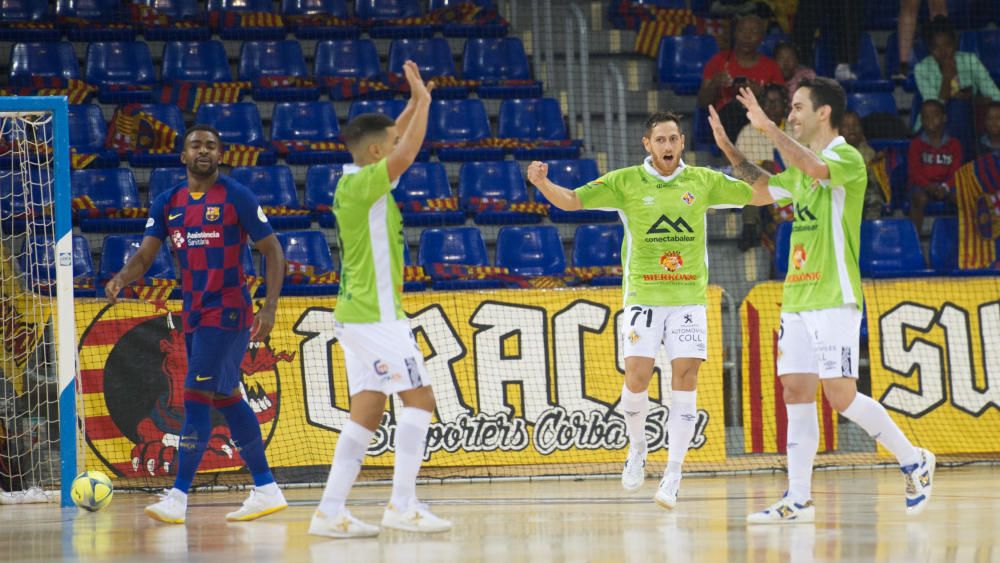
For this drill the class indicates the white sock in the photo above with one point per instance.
(268, 489)
(680, 428)
(411, 437)
(347, 458)
(870, 415)
(635, 407)
(802, 443)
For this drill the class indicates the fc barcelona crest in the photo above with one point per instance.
(212, 213)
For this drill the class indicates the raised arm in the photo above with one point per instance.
(135, 268)
(412, 139)
(743, 169)
(792, 152)
(563, 198)
(404, 119)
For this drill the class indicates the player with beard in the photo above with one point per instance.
(208, 218)
(821, 306)
(662, 203)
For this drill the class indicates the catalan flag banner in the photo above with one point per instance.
(415, 273)
(662, 22)
(281, 81)
(283, 211)
(285, 147)
(189, 96)
(480, 204)
(349, 87)
(133, 130)
(319, 20)
(79, 161)
(235, 154)
(145, 16)
(430, 205)
(444, 271)
(464, 13)
(251, 20)
(155, 291)
(298, 273)
(76, 91)
(977, 186)
(587, 273)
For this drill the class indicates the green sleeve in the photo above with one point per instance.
(983, 81)
(928, 78)
(726, 191)
(846, 165)
(782, 186)
(602, 193)
(370, 183)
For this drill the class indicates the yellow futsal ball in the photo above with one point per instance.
(92, 490)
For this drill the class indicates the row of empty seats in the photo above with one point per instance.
(114, 67)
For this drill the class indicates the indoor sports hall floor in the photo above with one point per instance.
(859, 517)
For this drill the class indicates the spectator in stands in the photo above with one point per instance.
(854, 134)
(787, 57)
(933, 159)
(741, 66)
(844, 16)
(954, 77)
(760, 150)
(989, 143)
(907, 27)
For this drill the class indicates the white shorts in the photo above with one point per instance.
(826, 342)
(381, 357)
(682, 329)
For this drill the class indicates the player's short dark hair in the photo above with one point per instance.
(661, 117)
(364, 125)
(940, 25)
(825, 91)
(202, 127)
(786, 46)
(936, 103)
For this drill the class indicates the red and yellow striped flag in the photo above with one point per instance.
(80, 160)
(665, 21)
(240, 155)
(155, 291)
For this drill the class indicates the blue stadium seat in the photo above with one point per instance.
(882, 15)
(572, 174)
(116, 251)
(294, 10)
(307, 121)
(944, 245)
(173, 9)
(349, 58)
(536, 119)
(494, 180)
(531, 251)
(378, 12)
(275, 59)
(55, 59)
(95, 12)
(420, 182)
(988, 48)
(237, 123)
(771, 41)
(40, 270)
(495, 60)
(599, 245)
(171, 115)
(782, 246)
(456, 121)
(237, 30)
(497, 29)
(866, 68)
(195, 61)
(274, 187)
(109, 189)
(890, 248)
(20, 11)
(454, 246)
(176, 10)
(116, 65)
(433, 57)
(892, 58)
(162, 179)
(681, 59)
(87, 132)
(392, 108)
(25, 197)
(867, 103)
(239, 5)
(305, 249)
(321, 182)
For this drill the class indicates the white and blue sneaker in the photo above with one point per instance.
(785, 511)
(919, 478)
(666, 494)
(634, 473)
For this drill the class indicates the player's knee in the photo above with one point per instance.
(637, 383)
(839, 398)
(793, 393)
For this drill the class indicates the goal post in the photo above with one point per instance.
(36, 142)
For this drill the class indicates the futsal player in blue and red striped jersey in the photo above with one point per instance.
(207, 220)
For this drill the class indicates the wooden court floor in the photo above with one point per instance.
(860, 517)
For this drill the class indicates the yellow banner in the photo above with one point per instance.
(25, 315)
(935, 360)
(521, 377)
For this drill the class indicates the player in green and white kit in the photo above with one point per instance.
(662, 203)
(822, 301)
(380, 352)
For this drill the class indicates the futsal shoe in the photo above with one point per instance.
(340, 525)
(919, 478)
(416, 518)
(170, 509)
(634, 473)
(258, 504)
(666, 494)
(785, 511)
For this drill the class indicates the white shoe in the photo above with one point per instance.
(634, 473)
(784, 512)
(666, 495)
(171, 508)
(843, 72)
(258, 504)
(417, 518)
(919, 478)
(340, 525)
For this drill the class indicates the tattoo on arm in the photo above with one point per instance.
(747, 172)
